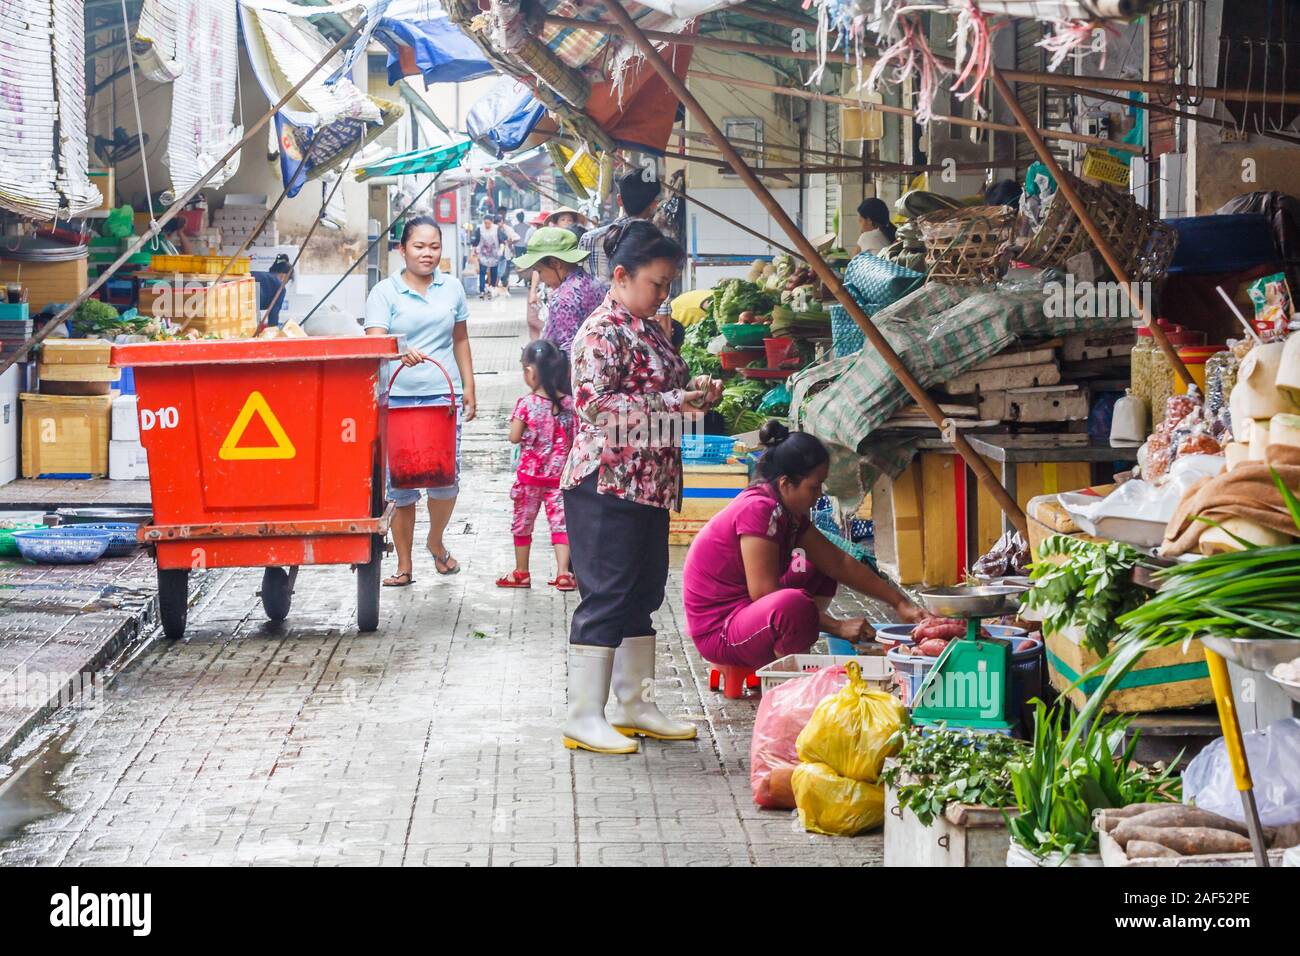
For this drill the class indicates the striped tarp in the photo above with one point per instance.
(428, 161)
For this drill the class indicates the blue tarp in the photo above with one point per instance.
(433, 45)
(501, 121)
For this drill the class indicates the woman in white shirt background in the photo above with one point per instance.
(877, 231)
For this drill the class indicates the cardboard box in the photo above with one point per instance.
(127, 461)
(106, 181)
(126, 420)
(65, 436)
(48, 282)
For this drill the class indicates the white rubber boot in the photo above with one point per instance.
(587, 728)
(634, 682)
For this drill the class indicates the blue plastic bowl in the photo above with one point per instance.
(896, 634)
(122, 539)
(73, 545)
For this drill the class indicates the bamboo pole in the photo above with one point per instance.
(802, 94)
(1081, 210)
(827, 275)
(1016, 76)
(176, 207)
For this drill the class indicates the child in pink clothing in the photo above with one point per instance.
(542, 426)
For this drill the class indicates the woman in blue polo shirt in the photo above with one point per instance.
(428, 307)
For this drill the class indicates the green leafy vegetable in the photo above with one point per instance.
(1089, 588)
(1066, 778)
(701, 361)
(937, 766)
(734, 296)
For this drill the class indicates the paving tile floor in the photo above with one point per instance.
(433, 741)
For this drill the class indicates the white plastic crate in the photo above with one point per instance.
(876, 670)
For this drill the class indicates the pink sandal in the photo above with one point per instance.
(564, 582)
(515, 579)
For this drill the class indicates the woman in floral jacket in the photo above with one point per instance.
(631, 393)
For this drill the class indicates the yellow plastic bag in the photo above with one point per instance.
(835, 805)
(850, 731)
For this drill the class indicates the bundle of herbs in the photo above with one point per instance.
(1088, 586)
(1069, 775)
(938, 766)
(1248, 593)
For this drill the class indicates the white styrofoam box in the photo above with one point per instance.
(125, 421)
(9, 388)
(127, 461)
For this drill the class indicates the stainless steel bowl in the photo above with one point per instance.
(1290, 689)
(990, 601)
(1254, 654)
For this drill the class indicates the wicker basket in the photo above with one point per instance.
(967, 246)
(1144, 244)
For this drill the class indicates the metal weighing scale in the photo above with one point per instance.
(969, 684)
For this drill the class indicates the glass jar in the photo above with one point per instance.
(1140, 369)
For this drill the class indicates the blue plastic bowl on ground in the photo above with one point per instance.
(72, 545)
(122, 539)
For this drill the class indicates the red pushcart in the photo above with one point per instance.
(263, 453)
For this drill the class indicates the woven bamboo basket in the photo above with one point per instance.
(967, 246)
(1144, 244)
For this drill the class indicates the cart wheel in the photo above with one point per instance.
(368, 587)
(276, 593)
(173, 600)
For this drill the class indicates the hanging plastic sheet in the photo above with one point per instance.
(44, 153)
(154, 46)
(419, 162)
(502, 120)
(423, 41)
(320, 126)
(203, 90)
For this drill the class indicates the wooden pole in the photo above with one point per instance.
(802, 94)
(1016, 76)
(818, 264)
(1085, 218)
(176, 207)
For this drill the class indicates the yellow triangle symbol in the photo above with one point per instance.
(282, 449)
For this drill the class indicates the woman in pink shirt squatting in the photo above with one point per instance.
(759, 576)
(542, 425)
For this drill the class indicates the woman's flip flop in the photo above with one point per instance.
(445, 562)
(395, 581)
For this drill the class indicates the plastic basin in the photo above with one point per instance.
(73, 545)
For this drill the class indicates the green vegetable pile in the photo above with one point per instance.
(1249, 593)
(739, 400)
(734, 296)
(936, 767)
(1089, 589)
(94, 319)
(1066, 777)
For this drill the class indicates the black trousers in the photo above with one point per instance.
(620, 554)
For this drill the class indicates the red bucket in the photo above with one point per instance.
(421, 441)
(781, 353)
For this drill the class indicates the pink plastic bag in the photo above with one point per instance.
(782, 714)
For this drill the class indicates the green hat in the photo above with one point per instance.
(551, 241)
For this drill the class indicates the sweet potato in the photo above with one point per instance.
(932, 647)
(1110, 817)
(1139, 849)
(1176, 815)
(1189, 841)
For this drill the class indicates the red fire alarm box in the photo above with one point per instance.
(444, 210)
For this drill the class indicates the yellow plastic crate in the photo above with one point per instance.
(201, 265)
(1105, 167)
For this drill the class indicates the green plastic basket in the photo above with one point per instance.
(9, 547)
(742, 336)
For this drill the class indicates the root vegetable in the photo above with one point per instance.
(1141, 849)
(1179, 816)
(1189, 841)
(932, 648)
(1111, 817)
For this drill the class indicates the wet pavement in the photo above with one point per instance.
(433, 741)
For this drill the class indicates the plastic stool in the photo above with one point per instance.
(732, 680)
